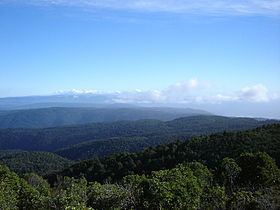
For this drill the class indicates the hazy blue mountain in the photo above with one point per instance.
(110, 100)
(26, 101)
(154, 131)
(178, 129)
(60, 116)
(70, 99)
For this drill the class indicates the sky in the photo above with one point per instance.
(158, 51)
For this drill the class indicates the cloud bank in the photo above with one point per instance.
(214, 7)
(257, 93)
(192, 91)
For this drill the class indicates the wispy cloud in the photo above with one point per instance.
(212, 7)
(190, 91)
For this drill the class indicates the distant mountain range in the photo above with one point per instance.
(61, 116)
(84, 126)
(101, 139)
(117, 100)
(61, 100)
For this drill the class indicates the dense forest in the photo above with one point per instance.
(209, 150)
(39, 162)
(229, 170)
(153, 131)
(251, 181)
(102, 148)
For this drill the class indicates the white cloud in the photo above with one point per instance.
(185, 91)
(77, 92)
(139, 96)
(215, 7)
(191, 91)
(184, 85)
(256, 93)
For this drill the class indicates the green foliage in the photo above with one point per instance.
(235, 179)
(255, 200)
(187, 186)
(213, 198)
(107, 196)
(230, 171)
(8, 196)
(23, 196)
(202, 172)
(29, 197)
(177, 188)
(39, 162)
(70, 194)
(258, 170)
(10, 185)
(34, 193)
(38, 183)
(241, 200)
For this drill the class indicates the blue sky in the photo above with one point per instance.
(171, 50)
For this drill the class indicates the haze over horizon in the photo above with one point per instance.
(221, 56)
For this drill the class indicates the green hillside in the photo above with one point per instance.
(38, 162)
(101, 148)
(209, 150)
(51, 139)
(224, 171)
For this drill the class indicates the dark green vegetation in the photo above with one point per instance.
(209, 150)
(145, 133)
(60, 116)
(251, 181)
(38, 162)
(229, 170)
(101, 148)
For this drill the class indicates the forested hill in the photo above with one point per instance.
(209, 150)
(60, 116)
(51, 139)
(38, 162)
